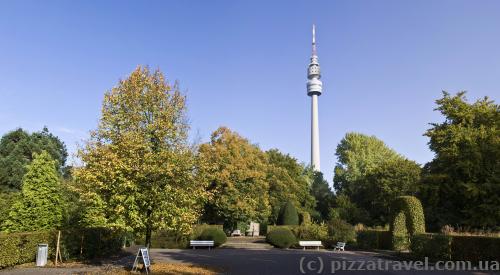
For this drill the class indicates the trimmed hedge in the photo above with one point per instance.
(19, 248)
(281, 237)
(213, 234)
(174, 239)
(439, 247)
(374, 239)
(434, 246)
(407, 220)
(475, 248)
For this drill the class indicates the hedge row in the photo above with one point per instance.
(18, 248)
(456, 248)
(374, 239)
(331, 233)
(172, 239)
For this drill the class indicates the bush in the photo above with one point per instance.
(18, 248)
(213, 234)
(169, 239)
(281, 237)
(312, 232)
(288, 215)
(341, 231)
(374, 239)
(407, 221)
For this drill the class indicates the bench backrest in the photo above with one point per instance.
(196, 242)
(237, 231)
(340, 244)
(310, 243)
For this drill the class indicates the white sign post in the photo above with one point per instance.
(143, 254)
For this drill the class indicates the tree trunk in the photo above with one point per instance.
(148, 229)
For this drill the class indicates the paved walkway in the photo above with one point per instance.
(277, 261)
(258, 262)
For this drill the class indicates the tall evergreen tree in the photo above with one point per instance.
(40, 205)
(288, 214)
(17, 149)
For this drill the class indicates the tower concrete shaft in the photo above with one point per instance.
(314, 90)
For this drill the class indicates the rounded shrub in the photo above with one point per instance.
(288, 215)
(281, 237)
(213, 234)
(341, 231)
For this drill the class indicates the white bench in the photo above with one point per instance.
(236, 232)
(195, 243)
(305, 244)
(340, 246)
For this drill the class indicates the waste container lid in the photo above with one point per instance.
(43, 244)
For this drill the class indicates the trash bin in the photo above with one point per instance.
(41, 256)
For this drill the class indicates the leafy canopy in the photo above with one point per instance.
(17, 149)
(139, 171)
(462, 182)
(236, 176)
(39, 205)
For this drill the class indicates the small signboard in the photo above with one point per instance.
(142, 254)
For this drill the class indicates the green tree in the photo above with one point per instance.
(287, 182)
(371, 175)
(17, 149)
(462, 182)
(40, 205)
(323, 195)
(236, 179)
(139, 172)
(288, 215)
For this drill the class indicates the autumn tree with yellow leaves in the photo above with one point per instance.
(139, 171)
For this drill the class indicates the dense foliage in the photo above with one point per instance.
(407, 221)
(139, 172)
(457, 248)
(40, 205)
(374, 239)
(236, 177)
(281, 237)
(288, 181)
(17, 149)
(288, 214)
(320, 189)
(462, 182)
(19, 248)
(340, 231)
(368, 177)
(213, 234)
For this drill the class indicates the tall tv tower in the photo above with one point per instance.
(314, 89)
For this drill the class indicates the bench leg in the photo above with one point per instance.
(304, 248)
(317, 248)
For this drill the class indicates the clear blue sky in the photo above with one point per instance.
(243, 65)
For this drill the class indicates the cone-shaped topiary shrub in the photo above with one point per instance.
(213, 234)
(281, 237)
(288, 215)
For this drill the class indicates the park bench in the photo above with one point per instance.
(340, 246)
(195, 243)
(236, 232)
(305, 244)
